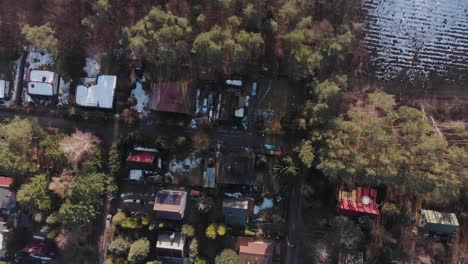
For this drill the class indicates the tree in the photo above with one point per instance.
(118, 218)
(42, 37)
(78, 146)
(60, 185)
(346, 235)
(376, 143)
(115, 158)
(193, 249)
(139, 250)
(227, 49)
(285, 167)
(51, 145)
(34, 196)
(306, 153)
(119, 246)
(227, 256)
(188, 230)
(335, 49)
(17, 137)
(93, 163)
(161, 38)
(211, 231)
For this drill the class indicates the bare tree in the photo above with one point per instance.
(59, 185)
(78, 146)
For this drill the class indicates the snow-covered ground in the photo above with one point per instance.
(267, 203)
(92, 68)
(419, 36)
(186, 165)
(141, 97)
(64, 90)
(233, 195)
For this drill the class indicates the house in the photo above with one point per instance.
(99, 95)
(236, 211)
(4, 89)
(170, 204)
(42, 83)
(144, 158)
(7, 198)
(438, 223)
(172, 97)
(358, 202)
(171, 247)
(258, 252)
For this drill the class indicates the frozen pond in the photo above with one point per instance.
(416, 36)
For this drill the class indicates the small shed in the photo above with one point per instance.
(438, 223)
(4, 89)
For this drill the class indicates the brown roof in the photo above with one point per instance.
(174, 97)
(261, 248)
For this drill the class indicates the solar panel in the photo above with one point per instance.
(169, 198)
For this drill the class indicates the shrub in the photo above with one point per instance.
(119, 246)
(200, 261)
(248, 232)
(130, 223)
(205, 204)
(227, 256)
(221, 230)
(118, 218)
(139, 250)
(193, 249)
(188, 230)
(211, 231)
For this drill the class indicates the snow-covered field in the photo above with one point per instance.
(419, 36)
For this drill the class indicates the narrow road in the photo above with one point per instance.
(294, 220)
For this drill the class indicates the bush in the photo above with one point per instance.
(118, 218)
(205, 204)
(139, 250)
(227, 256)
(250, 233)
(119, 246)
(130, 223)
(188, 230)
(211, 231)
(193, 249)
(200, 261)
(221, 230)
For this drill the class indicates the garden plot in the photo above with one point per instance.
(416, 37)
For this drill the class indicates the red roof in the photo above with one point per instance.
(361, 200)
(174, 97)
(144, 157)
(5, 181)
(259, 248)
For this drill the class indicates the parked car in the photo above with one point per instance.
(270, 147)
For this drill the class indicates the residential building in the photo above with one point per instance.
(255, 252)
(170, 204)
(42, 83)
(4, 89)
(236, 211)
(7, 197)
(438, 223)
(171, 247)
(99, 95)
(140, 158)
(361, 201)
(172, 97)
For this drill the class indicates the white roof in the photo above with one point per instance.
(41, 76)
(40, 88)
(239, 112)
(3, 88)
(99, 95)
(170, 240)
(41, 82)
(136, 174)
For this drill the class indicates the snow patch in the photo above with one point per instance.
(267, 203)
(92, 68)
(141, 97)
(234, 195)
(64, 92)
(186, 165)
